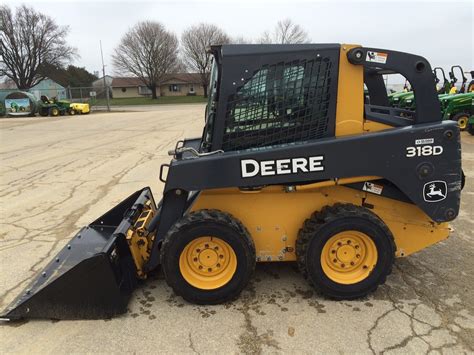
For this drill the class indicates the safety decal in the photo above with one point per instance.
(435, 191)
(376, 57)
(373, 188)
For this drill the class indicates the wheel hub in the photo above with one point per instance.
(349, 257)
(208, 262)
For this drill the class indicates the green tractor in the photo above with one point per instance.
(407, 101)
(394, 98)
(454, 80)
(51, 107)
(458, 108)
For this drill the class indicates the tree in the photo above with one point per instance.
(195, 41)
(71, 76)
(240, 40)
(285, 32)
(147, 51)
(29, 40)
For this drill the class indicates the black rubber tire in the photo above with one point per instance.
(470, 128)
(459, 115)
(334, 219)
(44, 112)
(208, 223)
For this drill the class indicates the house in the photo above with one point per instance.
(99, 83)
(178, 84)
(47, 87)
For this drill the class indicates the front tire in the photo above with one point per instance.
(345, 251)
(54, 111)
(462, 119)
(208, 257)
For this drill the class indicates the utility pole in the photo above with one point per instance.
(105, 81)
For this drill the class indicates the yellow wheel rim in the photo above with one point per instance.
(462, 122)
(207, 263)
(349, 257)
(54, 112)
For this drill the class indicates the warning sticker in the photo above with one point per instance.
(373, 188)
(376, 57)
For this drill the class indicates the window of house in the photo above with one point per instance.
(174, 88)
(124, 89)
(191, 88)
(144, 90)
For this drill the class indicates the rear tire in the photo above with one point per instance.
(44, 112)
(208, 257)
(345, 251)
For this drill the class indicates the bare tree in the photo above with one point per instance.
(147, 51)
(240, 40)
(29, 40)
(195, 40)
(285, 32)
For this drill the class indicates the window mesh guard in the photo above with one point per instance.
(281, 103)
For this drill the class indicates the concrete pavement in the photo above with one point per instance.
(59, 174)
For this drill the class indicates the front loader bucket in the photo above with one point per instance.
(93, 276)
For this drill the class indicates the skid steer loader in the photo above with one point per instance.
(291, 166)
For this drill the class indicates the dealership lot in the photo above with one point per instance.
(58, 174)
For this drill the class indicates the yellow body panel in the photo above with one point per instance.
(273, 217)
(350, 93)
(350, 103)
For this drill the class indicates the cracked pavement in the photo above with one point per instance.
(58, 174)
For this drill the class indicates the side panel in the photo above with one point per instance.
(413, 158)
(274, 217)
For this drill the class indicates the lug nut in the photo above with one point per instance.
(221, 256)
(200, 267)
(333, 251)
(343, 265)
(218, 265)
(209, 269)
(207, 246)
(358, 255)
(198, 250)
(216, 248)
(195, 259)
(352, 263)
(334, 260)
(365, 266)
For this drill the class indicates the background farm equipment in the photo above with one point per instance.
(53, 107)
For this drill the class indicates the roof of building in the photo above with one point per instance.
(176, 78)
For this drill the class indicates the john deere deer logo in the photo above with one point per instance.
(435, 191)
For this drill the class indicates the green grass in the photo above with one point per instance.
(149, 101)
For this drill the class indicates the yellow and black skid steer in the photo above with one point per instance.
(295, 163)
